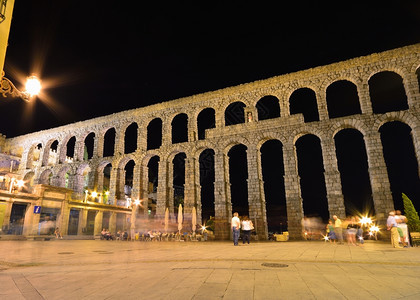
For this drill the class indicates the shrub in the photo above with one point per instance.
(413, 221)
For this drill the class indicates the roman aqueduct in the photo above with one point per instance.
(320, 103)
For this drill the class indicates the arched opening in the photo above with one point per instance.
(153, 172)
(268, 108)
(54, 146)
(109, 142)
(303, 101)
(180, 129)
(46, 177)
(53, 156)
(130, 138)
(234, 114)
(418, 77)
(312, 180)
(154, 134)
(89, 146)
(342, 99)
(401, 163)
(34, 156)
(37, 155)
(106, 182)
(70, 147)
(178, 180)
(206, 119)
(238, 175)
(128, 181)
(274, 190)
(354, 173)
(67, 180)
(207, 178)
(50, 153)
(387, 92)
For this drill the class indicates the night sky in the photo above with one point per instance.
(100, 57)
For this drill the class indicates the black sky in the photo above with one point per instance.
(109, 56)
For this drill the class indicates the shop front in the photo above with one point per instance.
(47, 208)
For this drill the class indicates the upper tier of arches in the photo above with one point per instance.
(382, 92)
(363, 86)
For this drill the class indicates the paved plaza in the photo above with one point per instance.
(88, 269)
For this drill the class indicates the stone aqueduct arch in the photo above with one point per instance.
(287, 129)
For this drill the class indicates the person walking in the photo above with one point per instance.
(338, 229)
(236, 226)
(392, 225)
(330, 232)
(247, 226)
(352, 231)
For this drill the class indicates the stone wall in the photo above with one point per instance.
(286, 128)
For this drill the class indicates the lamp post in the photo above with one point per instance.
(33, 87)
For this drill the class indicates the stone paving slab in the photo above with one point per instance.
(71, 269)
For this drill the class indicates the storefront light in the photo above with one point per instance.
(20, 183)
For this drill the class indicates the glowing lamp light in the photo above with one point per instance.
(94, 194)
(7, 88)
(326, 238)
(20, 183)
(137, 202)
(365, 220)
(374, 228)
(33, 86)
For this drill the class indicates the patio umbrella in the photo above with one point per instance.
(180, 218)
(166, 219)
(194, 218)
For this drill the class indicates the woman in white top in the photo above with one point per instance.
(247, 227)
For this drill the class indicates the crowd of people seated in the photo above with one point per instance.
(121, 235)
(106, 235)
(150, 235)
(171, 236)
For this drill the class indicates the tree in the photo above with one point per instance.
(413, 221)
(210, 224)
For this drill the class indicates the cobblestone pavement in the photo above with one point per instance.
(71, 269)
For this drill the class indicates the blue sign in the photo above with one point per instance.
(37, 209)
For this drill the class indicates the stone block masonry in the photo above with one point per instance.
(249, 131)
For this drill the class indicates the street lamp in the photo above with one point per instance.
(33, 87)
(15, 183)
